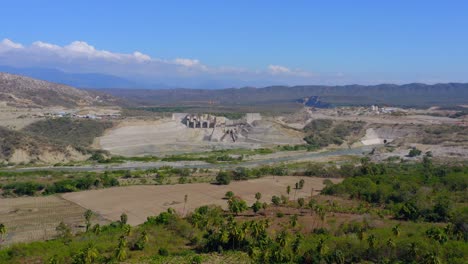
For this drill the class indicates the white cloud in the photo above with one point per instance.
(44, 45)
(277, 69)
(141, 57)
(80, 57)
(7, 44)
(187, 62)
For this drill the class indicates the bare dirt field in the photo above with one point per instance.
(139, 202)
(35, 218)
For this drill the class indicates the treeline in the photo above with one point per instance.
(31, 188)
(309, 170)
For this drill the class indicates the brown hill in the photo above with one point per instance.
(22, 91)
(20, 147)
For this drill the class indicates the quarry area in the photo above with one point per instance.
(189, 133)
(386, 129)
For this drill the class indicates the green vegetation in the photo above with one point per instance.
(414, 152)
(324, 132)
(69, 131)
(411, 192)
(395, 213)
(31, 188)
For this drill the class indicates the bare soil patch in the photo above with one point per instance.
(35, 218)
(139, 202)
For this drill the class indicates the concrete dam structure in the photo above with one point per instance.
(200, 121)
(218, 128)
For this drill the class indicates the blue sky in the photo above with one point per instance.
(332, 42)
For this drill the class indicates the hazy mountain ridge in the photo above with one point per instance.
(79, 80)
(413, 94)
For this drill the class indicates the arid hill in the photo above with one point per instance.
(21, 147)
(20, 91)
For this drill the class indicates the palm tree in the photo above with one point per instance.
(127, 229)
(97, 229)
(311, 205)
(123, 218)
(144, 236)
(413, 250)
(121, 250)
(297, 243)
(258, 196)
(87, 215)
(390, 246)
(390, 243)
(91, 253)
(282, 238)
(338, 257)
(320, 212)
(3, 231)
(185, 201)
(295, 190)
(396, 230)
(293, 220)
(371, 240)
(431, 258)
(361, 233)
(322, 248)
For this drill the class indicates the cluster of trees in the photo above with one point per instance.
(30, 188)
(413, 192)
(352, 243)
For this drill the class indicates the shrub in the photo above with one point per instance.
(223, 178)
(414, 152)
(163, 252)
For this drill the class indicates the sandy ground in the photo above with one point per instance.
(35, 218)
(139, 202)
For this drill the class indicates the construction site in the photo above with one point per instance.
(185, 132)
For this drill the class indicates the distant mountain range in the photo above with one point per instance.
(407, 95)
(16, 89)
(80, 80)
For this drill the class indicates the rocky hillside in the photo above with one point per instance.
(20, 91)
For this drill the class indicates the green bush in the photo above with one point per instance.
(223, 178)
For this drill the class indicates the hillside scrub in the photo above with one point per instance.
(324, 132)
(11, 140)
(69, 131)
